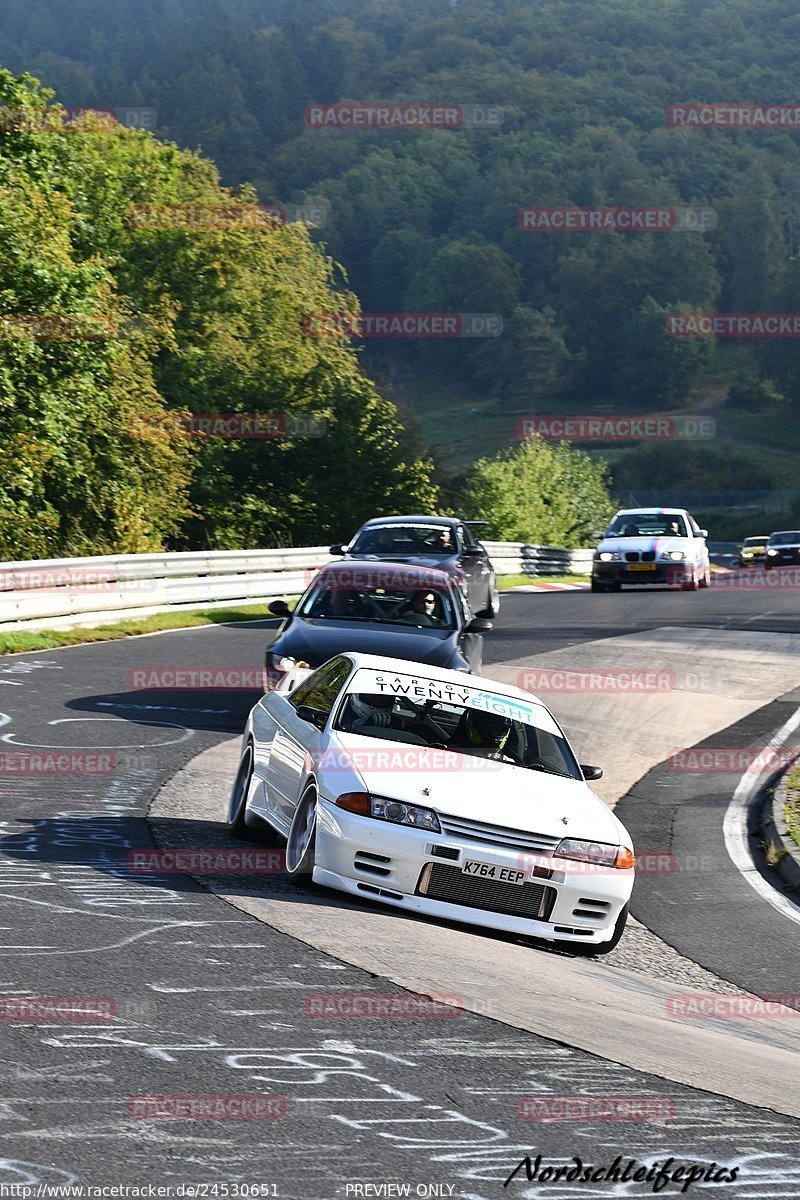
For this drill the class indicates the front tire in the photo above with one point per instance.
(706, 580)
(492, 608)
(301, 843)
(237, 805)
(587, 950)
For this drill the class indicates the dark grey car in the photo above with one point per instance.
(444, 543)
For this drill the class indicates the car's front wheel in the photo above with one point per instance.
(592, 950)
(492, 608)
(237, 805)
(301, 843)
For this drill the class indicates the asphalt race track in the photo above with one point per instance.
(200, 997)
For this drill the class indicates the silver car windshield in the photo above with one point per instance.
(648, 525)
(389, 540)
(448, 726)
(790, 537)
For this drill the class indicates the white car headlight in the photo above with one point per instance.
(610, 556)
(595, 852)
(384, 809)
(675, 555)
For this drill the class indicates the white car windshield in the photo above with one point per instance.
(347, 598)
(416, 540)
(462, 728)
(647, 525)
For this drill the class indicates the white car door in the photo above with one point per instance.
(295, 745)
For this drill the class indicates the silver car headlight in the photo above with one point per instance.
(384, 809)
(609, 556)
(772, 552)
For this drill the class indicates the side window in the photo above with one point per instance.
(466, 535)
(321, 689)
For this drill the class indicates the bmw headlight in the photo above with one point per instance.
(594, 852)
(383, 809)
(610, 556)
(772, 552)
(675, 555)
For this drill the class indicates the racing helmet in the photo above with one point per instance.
(487, 729)
(364, 706)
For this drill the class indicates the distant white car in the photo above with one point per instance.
(662, 546)
(439, 793)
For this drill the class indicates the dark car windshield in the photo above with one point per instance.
(647, 525)
(456, 728)
(790, 537)
(404, 539)
(409, 607)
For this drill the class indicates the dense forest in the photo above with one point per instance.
(427, 220)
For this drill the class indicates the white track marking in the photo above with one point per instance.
(186, 734)
(734, 827)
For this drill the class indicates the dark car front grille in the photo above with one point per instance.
(631, 556)
(648, 556)
(532, 900)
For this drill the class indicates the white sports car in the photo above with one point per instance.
(437, 793)
(663, 546)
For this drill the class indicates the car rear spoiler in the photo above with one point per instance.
(476, 522)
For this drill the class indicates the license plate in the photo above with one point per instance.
(492, 871)
(641, 566)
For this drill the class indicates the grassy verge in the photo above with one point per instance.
(793, 804)
(504, 582)
(50, 639)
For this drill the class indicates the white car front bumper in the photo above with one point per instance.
(422, 873)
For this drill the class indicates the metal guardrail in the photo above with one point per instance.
(63, 592)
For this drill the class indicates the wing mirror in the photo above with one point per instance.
(336, 550)
(314, 716)
(703, 533)
(279, 608)
(590, 773)
(479, 625)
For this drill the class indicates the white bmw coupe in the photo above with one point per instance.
(439, 793)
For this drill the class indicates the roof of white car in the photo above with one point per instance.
(660, 512)
(402, 666)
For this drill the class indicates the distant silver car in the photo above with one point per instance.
(661, 546)
(444, 543)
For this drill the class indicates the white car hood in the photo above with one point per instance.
(479, 789)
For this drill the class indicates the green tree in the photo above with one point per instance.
(539, 492)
